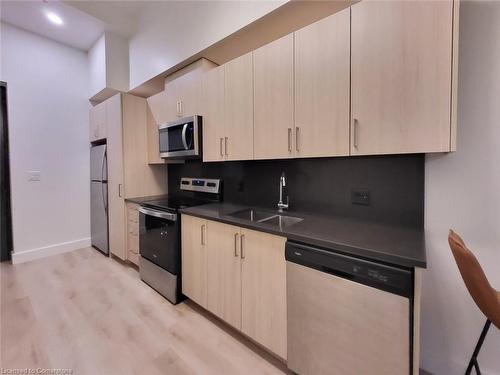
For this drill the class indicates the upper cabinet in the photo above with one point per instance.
(322, 87)
(238, 109)
(228, 111)
(401, 77)
(377, 78)
(182, 97)
(213, 114)
(163, 107)
(273, 100)
(182, 94)
(97, 122)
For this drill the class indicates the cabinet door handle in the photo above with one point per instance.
(178, 108)
(202, 234)
(181, 109)
(242, 237)
(120, 190)
(225, 145)
(289, 139)
(355, 132)
(236, 245)
(221, 153)
(297, 138)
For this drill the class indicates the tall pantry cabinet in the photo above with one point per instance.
(129, 174)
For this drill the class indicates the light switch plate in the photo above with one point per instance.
(33, 175)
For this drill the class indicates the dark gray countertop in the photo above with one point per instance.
(140, 200)
(398, 245)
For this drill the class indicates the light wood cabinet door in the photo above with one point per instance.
(164, 105)
(273, 93)
(153, 137)
(116, 204)
(263, 285)
(322, 69)
(401, 77)
(238, 143)
(97, 122)
(188, 92)
(194, 259)
(224, 272)
(213, 114)
(140, 179)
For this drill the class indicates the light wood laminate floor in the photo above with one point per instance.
(84, 311)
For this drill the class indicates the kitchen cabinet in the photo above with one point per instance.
(182, 94)
(228, 111)
(224, 273)
(238, 109)
(129, 174)
(322, 69)
(213, 114)
(194, 259)
(153, 142)
(133, 232)
(245, 278)
(163, 107)
(181, 97)
(263, 280)
(97, 121)
(274, 99)
(402, 76)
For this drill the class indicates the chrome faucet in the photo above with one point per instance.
(283, 206)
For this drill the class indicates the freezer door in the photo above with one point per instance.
(99, 216)
(98, 167)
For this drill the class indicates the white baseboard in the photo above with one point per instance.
(42, 252)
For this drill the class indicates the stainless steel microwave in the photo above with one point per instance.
(181, 139)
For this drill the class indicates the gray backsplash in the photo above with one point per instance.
(396, 184)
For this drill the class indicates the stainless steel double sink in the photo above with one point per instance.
(266, 217)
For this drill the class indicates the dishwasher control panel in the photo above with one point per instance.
(391, 279)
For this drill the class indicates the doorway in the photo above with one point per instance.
(5, 202)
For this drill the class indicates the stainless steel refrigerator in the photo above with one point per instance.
(99, 198)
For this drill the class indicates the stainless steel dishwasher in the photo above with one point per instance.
(347, 315)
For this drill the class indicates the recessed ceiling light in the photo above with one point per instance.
(54, 18)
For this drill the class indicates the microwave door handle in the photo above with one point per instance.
(184, 141)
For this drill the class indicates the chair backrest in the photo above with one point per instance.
(486, 298)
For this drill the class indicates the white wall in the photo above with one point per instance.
(48, 125)
(463, 193)
(172, 31)
(97, 66)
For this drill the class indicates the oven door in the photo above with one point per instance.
(181, 139)
(159, 239)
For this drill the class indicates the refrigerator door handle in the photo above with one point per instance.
(104, 160)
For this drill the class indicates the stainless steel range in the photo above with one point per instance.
(160, 234)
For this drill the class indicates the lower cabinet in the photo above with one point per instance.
(194, 259)
(133, 233)
(239, 275)
(224, 272)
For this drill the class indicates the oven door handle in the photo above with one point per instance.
(184, 140)
(161, 214)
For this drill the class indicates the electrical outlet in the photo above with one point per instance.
(33, 175)
(360, 196)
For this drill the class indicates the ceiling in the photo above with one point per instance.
(84, 21)
(79, 30)
(120, 16)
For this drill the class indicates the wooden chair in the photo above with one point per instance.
(485, 297)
